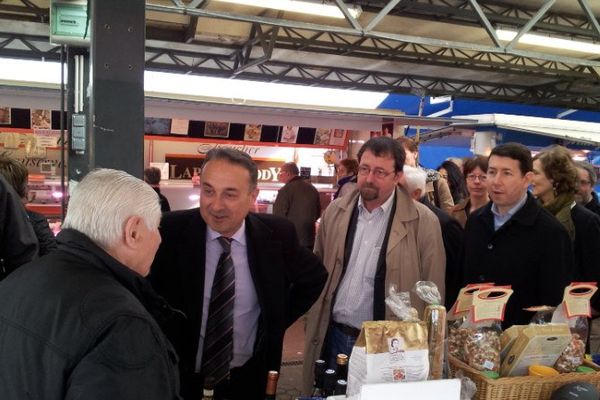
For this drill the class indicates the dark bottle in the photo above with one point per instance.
(340, 387)
(208, 392)
(319, 375)
(342, 366)
(271, 390)
(329, 382)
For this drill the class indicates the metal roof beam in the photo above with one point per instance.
(384, 11)
(592, 18)
(530, 23)
(373, 34)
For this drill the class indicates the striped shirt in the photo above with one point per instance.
(354, 300)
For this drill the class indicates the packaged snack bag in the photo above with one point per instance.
(390, 351)
(482, 340)
(574, 311)
(457, 316)
(435, 318)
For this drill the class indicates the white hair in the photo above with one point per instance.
(415, 178)
(103, 201)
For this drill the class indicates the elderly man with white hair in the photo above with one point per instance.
(452, 232)
(82, 322)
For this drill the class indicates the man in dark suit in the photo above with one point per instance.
(276, 280)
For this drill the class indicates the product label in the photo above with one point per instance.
(577, 299)
(489, 303)
(465, 297)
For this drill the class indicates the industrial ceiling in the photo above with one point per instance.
(423, 47)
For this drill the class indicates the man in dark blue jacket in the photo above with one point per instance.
(82, 322)
(514, 241)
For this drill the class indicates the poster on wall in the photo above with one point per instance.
(157, 126)
(41, 119)
(338, 138)
(216, 129)
(252, 132)
(322, 136)
(180, 126)
(289, 134)
(4, 115)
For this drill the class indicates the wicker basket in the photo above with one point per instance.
(520, 387)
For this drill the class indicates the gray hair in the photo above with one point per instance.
(103, 201)
(415, 178)
(590, 170)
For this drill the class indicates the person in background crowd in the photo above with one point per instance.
(152, 178)
(514, 241)
(456, 181)
(16, 174)
(458, 161)
(221, 257)
(555, 184)
(438, 191)
(298, 201)
(475, 176)
(415, 181)
(586, 195)
(368, 240)
(82, 322)
(18, 243)
(346, 174)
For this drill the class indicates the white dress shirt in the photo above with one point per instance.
(354, 299)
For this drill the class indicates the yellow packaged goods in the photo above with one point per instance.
(537, 344)
(542, 371)
(388, 351)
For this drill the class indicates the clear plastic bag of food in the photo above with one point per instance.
(435, 318)
(399, 303)
(482, 344)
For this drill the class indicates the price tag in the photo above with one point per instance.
(489, 303)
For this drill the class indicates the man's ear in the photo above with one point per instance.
(417, 194)
(131, 231)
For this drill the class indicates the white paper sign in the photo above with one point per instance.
(443, 389)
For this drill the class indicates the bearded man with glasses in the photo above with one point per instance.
(368, 240)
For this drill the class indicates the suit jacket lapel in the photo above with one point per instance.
(258, 235)
(192, 250)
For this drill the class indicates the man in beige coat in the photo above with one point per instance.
(369, 240)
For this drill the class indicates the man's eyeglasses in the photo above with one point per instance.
(473, 178)
(377, 172)
(584, 183)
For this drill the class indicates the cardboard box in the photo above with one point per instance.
(536, 344)
(508, 337)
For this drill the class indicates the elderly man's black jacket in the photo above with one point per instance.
(77, 324)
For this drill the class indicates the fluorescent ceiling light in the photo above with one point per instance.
(304, 7)
(36, 72)
(241, 91)
(30, 71)
(550, 41)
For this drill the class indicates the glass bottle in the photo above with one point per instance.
(319, 375)
(342, 366)
(271, 390)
